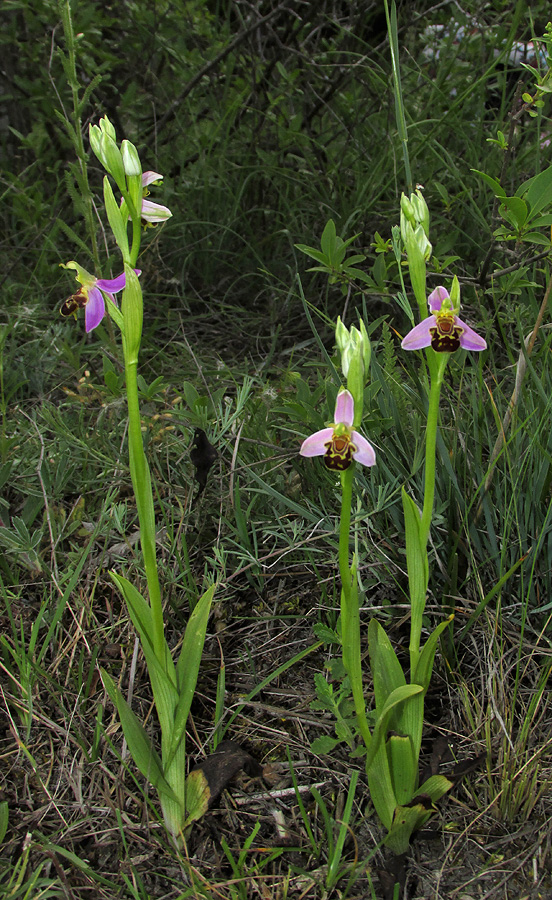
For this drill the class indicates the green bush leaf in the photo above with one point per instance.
(324, 744)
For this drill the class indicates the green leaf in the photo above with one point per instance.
(535, 237)
(328, 241)
(132, 308)
(141, 748)
(416, 268)
(359, 274)
(197, 797)
(118, 226)
(495, 185)
(403, 765)
(395, 698)
(161, 672)
(537, 191)
(4, 817)
(381, 786)
(187, 667)
(417, 564)
(435, 787)
(406, 820)
(387, 671)
(324, 633)
(353, 260)
(327, 269)
(542, 221)
(324, 691)
(313, 253)
(190, 393)
(424, 668)
(515, 211)
(324, 744)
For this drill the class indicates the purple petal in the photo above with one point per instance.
(469, 339)
(94, 310)
(436, 298)
(150, 177)
(112, 285)
(365, 454)
(315, 444)
(344, 409)
(154, 212)
(420, 335)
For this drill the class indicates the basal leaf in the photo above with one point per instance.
(141, 748)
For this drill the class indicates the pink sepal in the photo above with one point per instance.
(315, 444)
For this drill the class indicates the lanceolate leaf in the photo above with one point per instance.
(435, 787)
(328, 241)
(406, 821)
(381, 786)
(417, 564)
(163, 677)
(424, 668)
(139, 743)
(398, 696)
(495, 185)
(188, 666)
(403, 765)
(537, 191)
(386, 669)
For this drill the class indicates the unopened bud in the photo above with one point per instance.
(131, 160)
(455, 294)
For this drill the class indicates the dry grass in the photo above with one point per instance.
(69, 782)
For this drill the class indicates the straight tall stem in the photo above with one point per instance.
(350, 616)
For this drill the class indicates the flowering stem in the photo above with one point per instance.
(141, 483)
(438, 371)
(350, 619)
(136, 228)
(136, 239)
(345, 523)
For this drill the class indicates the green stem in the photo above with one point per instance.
(345, 523)
(136, 240)
(136, 228)
(141, 483)
(431, 441)
(350, 616)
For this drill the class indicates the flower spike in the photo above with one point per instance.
(339, 444)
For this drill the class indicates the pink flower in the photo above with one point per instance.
(153, 212)
(339, 444)
(443, 330)
(90, 295)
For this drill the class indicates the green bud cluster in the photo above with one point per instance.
(355, 348)
(121, 163)
(415, 239)
(415, 223)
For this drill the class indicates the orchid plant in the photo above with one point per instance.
(392, 742)
(173, 683)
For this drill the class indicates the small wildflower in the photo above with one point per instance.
(153, 212)
(443, 330)
(339, 444)
(90, 295)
